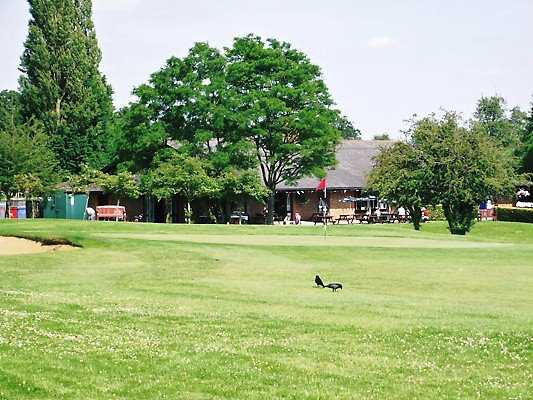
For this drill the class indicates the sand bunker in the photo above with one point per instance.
(10, 246)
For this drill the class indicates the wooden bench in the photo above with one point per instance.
(118, 213)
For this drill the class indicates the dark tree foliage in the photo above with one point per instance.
(383, 136)
(27, 164)
(504, 126)
(527, 157)
(186, 106)
(346, 128)
(61, 85)
(185, 102)
(10, 109)
(138, 137)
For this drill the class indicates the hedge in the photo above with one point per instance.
(514, 214)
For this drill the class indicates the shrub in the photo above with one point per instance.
(514, 214)
(436, 213)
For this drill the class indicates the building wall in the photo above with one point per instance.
(337, 206)
(306, 203)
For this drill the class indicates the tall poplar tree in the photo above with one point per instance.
(61, 85)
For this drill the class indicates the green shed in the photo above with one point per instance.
(64, 205)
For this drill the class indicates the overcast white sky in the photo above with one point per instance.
(383, 60)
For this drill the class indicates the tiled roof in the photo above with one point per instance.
(354, 162)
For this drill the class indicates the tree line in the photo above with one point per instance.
(260, 105)
(216, 124)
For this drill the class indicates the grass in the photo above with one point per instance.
(213, 312)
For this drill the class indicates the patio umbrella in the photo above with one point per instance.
(349, 199)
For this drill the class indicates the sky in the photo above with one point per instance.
(383, 60)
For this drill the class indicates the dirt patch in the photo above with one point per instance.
(10, 246)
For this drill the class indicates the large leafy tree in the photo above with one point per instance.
(445, 161)
(283, 107)
(61, 85)
(138, 137)
(504, 126)
(189, 101)
(399, 176)
(465, 165)
(27, 164)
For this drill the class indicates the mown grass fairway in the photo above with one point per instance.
(213, 312)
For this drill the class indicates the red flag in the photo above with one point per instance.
(322, 186)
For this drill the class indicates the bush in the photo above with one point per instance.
(514, 214)
(436, 213)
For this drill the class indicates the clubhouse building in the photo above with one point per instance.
(345, 183)
(346, 180)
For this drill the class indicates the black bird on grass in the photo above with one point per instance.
(333, 286)
(318, 281)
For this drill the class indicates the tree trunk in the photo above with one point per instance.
(270, 207)
(416, 217)
(58, 109)
(118, 204)
(460, 217)
(188, 211)
(227, 210)
(6, 213)
(168, 211)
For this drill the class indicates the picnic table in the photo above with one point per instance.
(387, 217)
(371, 219)
(319, 217)
(238, 218)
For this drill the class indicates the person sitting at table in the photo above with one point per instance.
(322, 207)
(367, 215)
